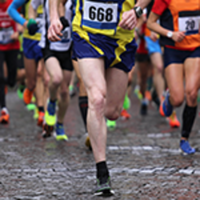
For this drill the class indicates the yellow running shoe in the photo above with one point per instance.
(60, 133)
(50, 114)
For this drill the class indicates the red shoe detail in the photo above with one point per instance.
(125, 114)
(27, 96)
(161, 107)
(4, 119)
(173, 121)
(148, 95)
(6, 90)
(40, 119)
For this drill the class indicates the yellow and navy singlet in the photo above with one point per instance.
(39, 20)
(101, 17)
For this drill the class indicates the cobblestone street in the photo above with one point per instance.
(142, 153)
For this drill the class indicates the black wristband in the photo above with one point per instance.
(64, 22)
(138, 11)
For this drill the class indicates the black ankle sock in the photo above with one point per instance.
(2, 95)
(83, 106)
(188, 117)
(102, 172)
(52, 101)
(41, 108)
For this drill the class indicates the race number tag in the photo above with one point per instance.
(40, 22)
(100, 15)
(66, 37)
(5, 34)
(188, 23)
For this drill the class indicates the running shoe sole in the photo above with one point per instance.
(105, 193)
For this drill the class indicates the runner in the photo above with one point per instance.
(32, 54)
(104, 66)
(9, 49)
(179, 32)
(57, 57)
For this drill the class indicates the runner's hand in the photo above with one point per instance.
(32, 27)
(178, 36)
(54, 31)
(129, 20)
(15, 36)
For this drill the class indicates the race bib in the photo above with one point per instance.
(66, 37)
(100, 15)
(188, 23)
(40, 22)
(5, 34)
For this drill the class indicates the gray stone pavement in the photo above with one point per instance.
(142, 154)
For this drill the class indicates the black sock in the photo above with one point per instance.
(41, 108)
(102, 172)
(83, 106)
(52, 101)
(2, 96)
(188, 117)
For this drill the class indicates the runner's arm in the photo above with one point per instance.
(157, 10)
(54, 31)
(129, 18)
(14, 14)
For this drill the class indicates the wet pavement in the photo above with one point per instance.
(143, 158)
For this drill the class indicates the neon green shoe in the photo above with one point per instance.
(31, 106)
(127, 102)
(138, 93)
(60, 133)
(50, 114)
(111, 123)
(20, 91)
(36, 113)
(33, 100)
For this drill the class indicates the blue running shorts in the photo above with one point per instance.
(116, 52)
(152, 46)
(32, 50)
(178, 56)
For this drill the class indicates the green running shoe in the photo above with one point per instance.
(104, 189)
(31, 106)
(127, 102)
(20, 91)
(36, 113)
(50, 114)
(111, 124)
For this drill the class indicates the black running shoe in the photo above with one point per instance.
(155, 98)
(104, 189)
(143, 109)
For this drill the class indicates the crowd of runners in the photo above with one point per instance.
(46, 46)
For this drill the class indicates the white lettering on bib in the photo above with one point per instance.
(5, 34)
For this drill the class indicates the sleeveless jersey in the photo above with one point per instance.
(66, 39)
(39, 20)
(101, 17)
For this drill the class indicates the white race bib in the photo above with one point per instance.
(5, 34)
(189, 24)
(66, 37)
(40, 21)
(100, 15)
